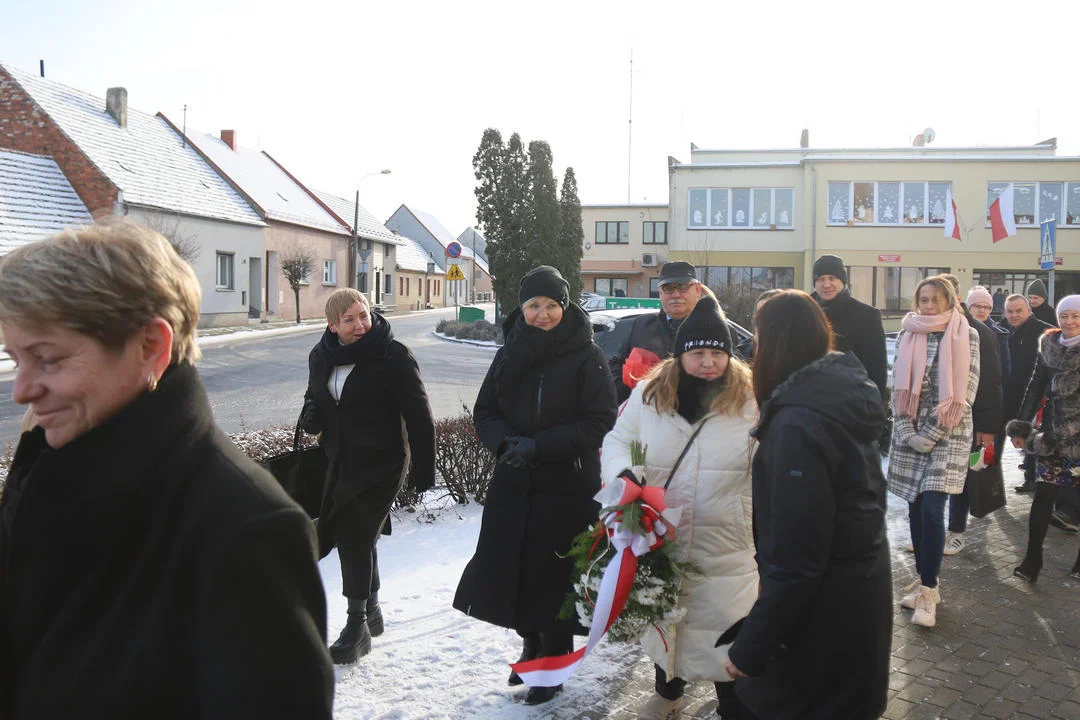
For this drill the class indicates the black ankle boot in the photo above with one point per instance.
(354, 642)
(530, 650)
(540, 695)
(1075, 572)
(1028, 570)
(374, 615)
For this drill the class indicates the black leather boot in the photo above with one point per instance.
(530, 650)
(540, 695)
(354, 642)
(1075, 572)
(374, 615)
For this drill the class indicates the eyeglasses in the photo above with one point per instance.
(670, 288)
(982, 306)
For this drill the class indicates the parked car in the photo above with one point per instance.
(610, 328)
(591, 301)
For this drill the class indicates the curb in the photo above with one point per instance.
(475, 343)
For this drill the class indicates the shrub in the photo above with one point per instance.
(461, 460)
(479, 330)
(448, 327)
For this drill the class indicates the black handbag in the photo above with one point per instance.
(985, 490)
(302, 472)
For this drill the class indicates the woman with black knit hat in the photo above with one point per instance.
(699, 402)
(543, 410)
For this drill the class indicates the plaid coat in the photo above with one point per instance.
(943, 469)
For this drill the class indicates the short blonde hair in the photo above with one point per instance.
(106, 281)
(341, 300)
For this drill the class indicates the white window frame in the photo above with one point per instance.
(329, 272)
(752, 209)
(1062, 213)
(852, 222)
(230, 259)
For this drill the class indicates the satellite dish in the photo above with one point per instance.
(929, 135)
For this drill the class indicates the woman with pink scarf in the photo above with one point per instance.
(935, 376)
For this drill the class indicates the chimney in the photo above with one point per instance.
(804, 141)
(116, 105)
(229, 138)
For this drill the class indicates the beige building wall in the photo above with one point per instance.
(323, 246)
(608, 266)
(411, 295)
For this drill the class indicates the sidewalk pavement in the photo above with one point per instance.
(1002, 648)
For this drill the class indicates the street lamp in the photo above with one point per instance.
(356, 221)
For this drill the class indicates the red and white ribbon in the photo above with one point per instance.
(618, 579)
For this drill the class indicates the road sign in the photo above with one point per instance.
(454, 273)
(453, 250)
(1047, 244)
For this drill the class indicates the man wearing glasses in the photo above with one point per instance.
(655, 333)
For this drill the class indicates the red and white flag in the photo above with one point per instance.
(952, 225)
(1002, 220)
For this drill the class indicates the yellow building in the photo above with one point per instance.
(756, 219)
(624, 247)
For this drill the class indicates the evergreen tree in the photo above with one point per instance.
(542, 218)
(570, 234)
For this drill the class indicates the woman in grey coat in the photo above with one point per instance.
(935, 378)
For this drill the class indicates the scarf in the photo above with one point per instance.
(526, 346)
(839, 299)
(696, 395)
(371, 347)
(954, 364)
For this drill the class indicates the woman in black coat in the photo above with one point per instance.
(364, 392)
(543, 410)
(816, 643)
(148, 569)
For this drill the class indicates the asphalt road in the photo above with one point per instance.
(257, 381)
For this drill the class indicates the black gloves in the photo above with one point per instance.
(518, 452)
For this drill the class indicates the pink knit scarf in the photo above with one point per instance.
(954, 362)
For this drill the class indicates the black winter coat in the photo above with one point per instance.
(554, 387)
(857, 328)
(1046, 313)
(986, 411)
(362, 433)
(816, 643)
(654, 332)
(1057, 378)
(151, 570)
(1023, 347)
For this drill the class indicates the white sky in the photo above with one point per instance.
(336, 89)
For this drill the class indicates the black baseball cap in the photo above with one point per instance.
(677, 272)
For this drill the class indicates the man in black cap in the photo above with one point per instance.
(655, 333)
(856, 326)
(1040, 305)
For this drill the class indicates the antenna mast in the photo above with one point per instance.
(630, 133)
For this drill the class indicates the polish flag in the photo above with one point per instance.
(1002, 221)
(952, 227)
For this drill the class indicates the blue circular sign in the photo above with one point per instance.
(453, 250)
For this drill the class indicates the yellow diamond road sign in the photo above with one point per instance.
(454, 273)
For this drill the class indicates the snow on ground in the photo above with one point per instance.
(435, 662)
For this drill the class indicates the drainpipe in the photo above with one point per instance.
(813, 219)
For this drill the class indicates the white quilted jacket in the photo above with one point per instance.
(712, 485)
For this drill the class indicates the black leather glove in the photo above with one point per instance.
(520, 451)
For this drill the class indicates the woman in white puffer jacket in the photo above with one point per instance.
(704, 387)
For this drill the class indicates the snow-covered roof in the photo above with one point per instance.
(36, 200)
(440, 233)
(277, 195)
(366, 225)
(146, 159)
(411, 255)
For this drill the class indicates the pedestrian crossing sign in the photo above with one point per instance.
(454, 273)
(1047, 241)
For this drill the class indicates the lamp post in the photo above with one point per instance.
(356, 221)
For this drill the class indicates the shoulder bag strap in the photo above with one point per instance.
(684, 451)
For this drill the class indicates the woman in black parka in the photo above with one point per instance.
(543, 410)
(364, 393)
(815, 645)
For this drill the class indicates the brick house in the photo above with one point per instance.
(121, 161)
